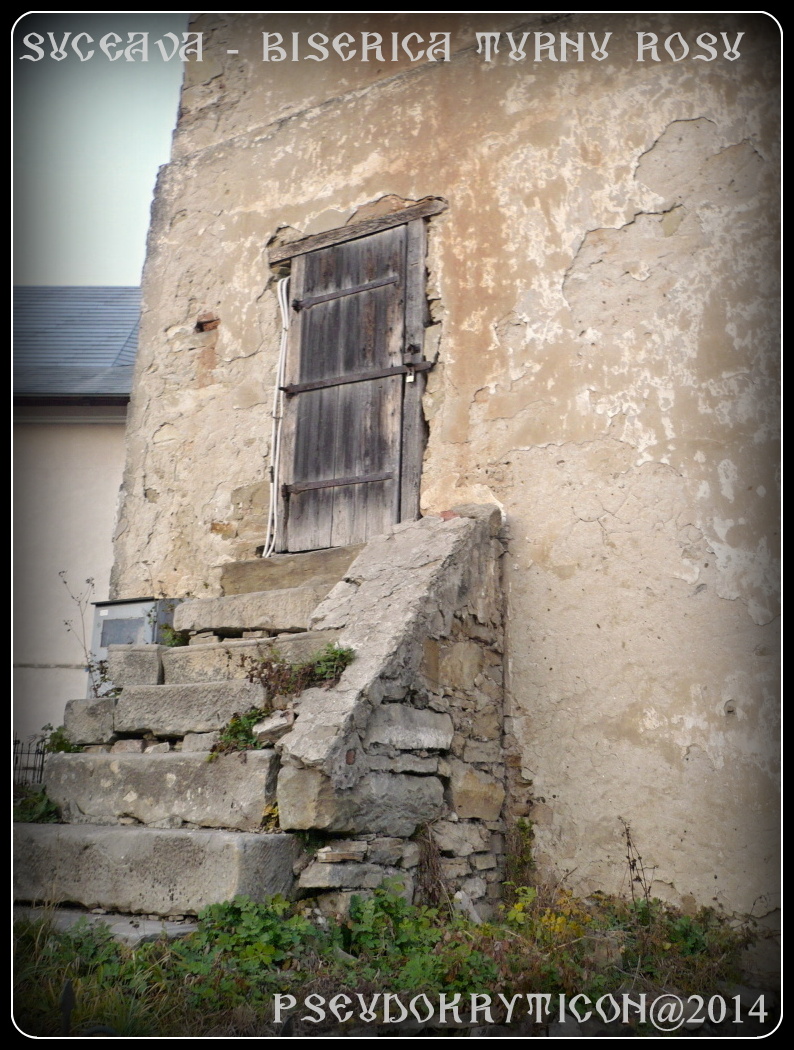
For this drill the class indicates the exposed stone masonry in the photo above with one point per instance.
(409, 741)
(413, 734)
(457, 739)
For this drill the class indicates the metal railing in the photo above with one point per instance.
(28, 762)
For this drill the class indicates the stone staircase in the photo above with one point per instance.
(412, 736)
(152, 825)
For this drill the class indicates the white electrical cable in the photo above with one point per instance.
(277, 414)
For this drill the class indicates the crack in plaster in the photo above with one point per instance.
(656, 142)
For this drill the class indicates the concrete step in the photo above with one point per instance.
(173, 710)
(124, 928)
(314, 568)
(287, 609)
(230, 659)
(148, 870)
(164, 790)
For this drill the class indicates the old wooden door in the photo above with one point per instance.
(352, 423)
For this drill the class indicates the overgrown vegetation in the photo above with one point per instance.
(280, 679)
(172, 638)
(238, 733)
(166, 634)
(519, 859)
(221, 980)
(431, 886)
(100, 683)
(57, 740)
(32, 806)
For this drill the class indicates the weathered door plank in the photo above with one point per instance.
(346, 384)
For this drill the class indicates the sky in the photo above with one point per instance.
(88, 138)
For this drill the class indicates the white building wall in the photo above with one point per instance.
(67, 472)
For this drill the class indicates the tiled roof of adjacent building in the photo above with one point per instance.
(75, 342)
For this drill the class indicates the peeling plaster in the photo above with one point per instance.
(607, 373)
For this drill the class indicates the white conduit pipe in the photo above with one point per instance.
(277, 413)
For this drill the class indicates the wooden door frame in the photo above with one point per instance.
(412, 421)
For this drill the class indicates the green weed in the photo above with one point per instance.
(280, 679)
(57, 740)
(173, 638)
(222, 978)
(32, 806)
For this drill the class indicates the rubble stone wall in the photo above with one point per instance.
(412, 739)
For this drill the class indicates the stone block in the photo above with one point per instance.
(230, 792)
(199, 741)
(463, 903)
(284, 610)
(273, 727)
(439, 703)
(430, 662)
(135, 665)
(341, 850)
(454, 868)
(473, 793)
(459, 839)
(495, 825)
(319, 876)
(89, 721)
(486, 724)
(132, 932)
(479, 633)
(385, 851)
(173, 710)
(409, 729)
(487, 513)
(406, 763)
(150, 871)
(353, 877)
(288, 570)
(488, 693)
(131, 747)
(483, 861)
(410, 857)
(494, 670)
(230, 659)
(458, 745)
(384, 803)
(324, 734)
(416, 572)
(482, 751)
(475, 887)
(459, 665)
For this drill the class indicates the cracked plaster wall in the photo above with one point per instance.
(605, 282)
